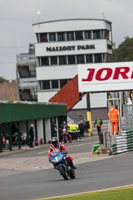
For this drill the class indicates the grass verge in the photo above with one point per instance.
(114, 194)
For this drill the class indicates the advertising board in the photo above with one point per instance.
(105, 77)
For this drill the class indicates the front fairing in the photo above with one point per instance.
(57, 157)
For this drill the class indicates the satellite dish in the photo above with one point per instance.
(38, 13)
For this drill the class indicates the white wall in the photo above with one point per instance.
(48, 130)
(58, 72)
(45, 96)
(40, 129)
(69, 25)
(100, 47)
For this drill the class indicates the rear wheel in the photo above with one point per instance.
(72, 173)
(63, 172)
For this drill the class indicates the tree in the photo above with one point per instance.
(2, 80)
(124, 52)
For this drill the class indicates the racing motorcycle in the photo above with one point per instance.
(59, 160)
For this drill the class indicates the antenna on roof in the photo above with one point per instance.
(38, 17)
(103, 15)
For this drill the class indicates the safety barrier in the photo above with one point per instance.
(123, 143)
(95, 148)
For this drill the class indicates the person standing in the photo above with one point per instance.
(98, 122)
(113, 117)
(82, 130)
(64, 132)
(54, 127)
(31, 134)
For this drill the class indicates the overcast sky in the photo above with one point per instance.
(17, 17)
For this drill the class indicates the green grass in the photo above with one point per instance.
(116, 194)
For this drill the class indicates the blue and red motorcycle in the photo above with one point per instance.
(60, 162)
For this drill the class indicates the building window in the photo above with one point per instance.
(24, 71)
(61, 36)
(70, 36)
(96, 34)
(43, 37)
(87, 35)
(80, 59)
(98, 58)
(71, 59)
(52, 37)
(79, 35)
(44, 61)
(89, 58)
(62, 60)
(53, 60)
(106, 34)
(63, 82)
(108, 57)
(45, 85)
(38, 37)
(109, 46)
(54, 84)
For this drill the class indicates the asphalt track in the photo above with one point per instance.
(92, 175)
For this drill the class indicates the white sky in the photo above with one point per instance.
(17, 17)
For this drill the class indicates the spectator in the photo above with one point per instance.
(98, 122)
(64, 132)
(54, 127)
(31, 134)
(82, 130)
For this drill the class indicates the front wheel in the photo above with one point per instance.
(63, 172)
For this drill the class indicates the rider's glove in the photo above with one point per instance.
(65, 153)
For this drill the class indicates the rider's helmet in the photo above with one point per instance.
(54, 142)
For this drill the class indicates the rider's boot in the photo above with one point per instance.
(73, 166)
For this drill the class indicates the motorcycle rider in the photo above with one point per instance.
(57, 145)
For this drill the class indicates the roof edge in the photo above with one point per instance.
(60, 20)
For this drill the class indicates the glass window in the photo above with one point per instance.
(63, 82)
(62, 60)
(44, 61)
(79, 35)
(24, 71)
(80, 59)
(54, 84)
(43, 37)
(87, 35)
(89, 58)
(61, 36)
(53, 60)
(71, 59)
(46, 85)
(109, 46)
(38, 37)
(52, 37)
(70, 36)
(98, 58)
(106, 33)
(107, 57)
(96, 34)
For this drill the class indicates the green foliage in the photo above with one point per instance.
(2, 80)
(124, 52)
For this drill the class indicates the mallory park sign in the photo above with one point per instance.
(105, 77)
(70, 48)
